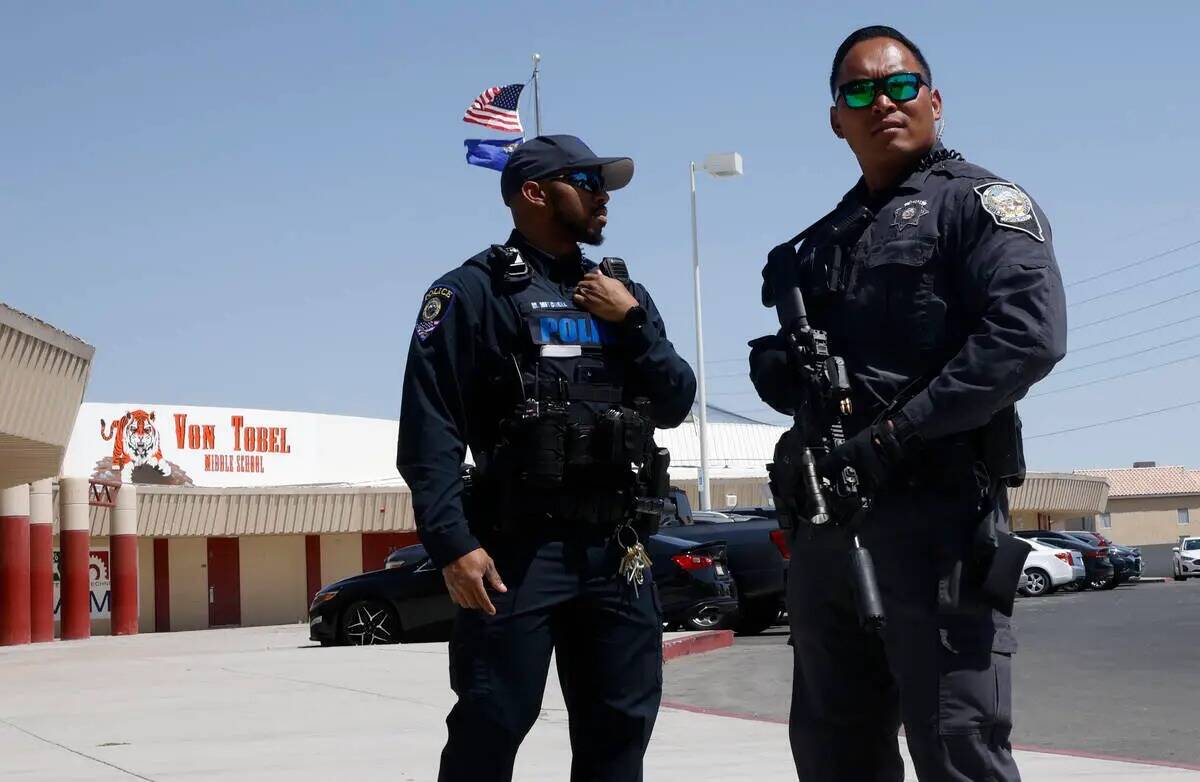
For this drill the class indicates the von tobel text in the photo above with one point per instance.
(248, 440)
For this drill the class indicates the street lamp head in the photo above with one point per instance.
(723, 164)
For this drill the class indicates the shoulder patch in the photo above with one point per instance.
(434, 307)
(1010, 208)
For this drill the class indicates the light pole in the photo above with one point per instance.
(723, 164)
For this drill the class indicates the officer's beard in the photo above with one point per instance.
(581, 230)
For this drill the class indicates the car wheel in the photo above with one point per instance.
(1039, 582)
(1179, 576)
(370, 622)
(704, 618)
(756, 616)
(1110, 583)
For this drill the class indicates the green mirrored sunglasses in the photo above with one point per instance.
(900, 87)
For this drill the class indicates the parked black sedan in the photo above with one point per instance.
(407, 600)
(1126, 559)
(1101, 574)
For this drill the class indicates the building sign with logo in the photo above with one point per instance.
(98, 580)
(214, 446)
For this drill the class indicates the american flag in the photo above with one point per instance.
(496, 108)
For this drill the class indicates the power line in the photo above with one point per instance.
(1126, 355)
(1107, 318)
(1114, 420)
(1152, 226)
(1135, 285)
(745, 374)
(1116, 377)
(1131, 335)
(1135, 310)
(1155, 257)
(735, 393)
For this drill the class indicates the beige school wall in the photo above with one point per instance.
(272, 526)
(272, 572)
(1146, 521)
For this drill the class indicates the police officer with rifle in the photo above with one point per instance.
(913, 318)
(554, 371)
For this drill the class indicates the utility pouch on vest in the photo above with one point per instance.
(1002, 447)
(622, 437)
(537, 441)
(654, 483)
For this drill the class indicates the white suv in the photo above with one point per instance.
(1187, 559)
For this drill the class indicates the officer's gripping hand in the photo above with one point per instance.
(873, 453)
(604, 297)
(464, 580)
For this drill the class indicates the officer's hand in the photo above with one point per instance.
(464, 579)
(872, 453)
(604, 297)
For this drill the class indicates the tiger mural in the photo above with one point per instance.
(135, 443)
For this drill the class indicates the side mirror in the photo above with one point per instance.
(1176, 549)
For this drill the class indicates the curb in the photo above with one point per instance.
(697, 643)
(1065, 753)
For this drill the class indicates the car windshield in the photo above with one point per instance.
(1191, 545)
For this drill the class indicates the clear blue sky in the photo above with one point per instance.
(242, 203)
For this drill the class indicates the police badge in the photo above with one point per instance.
(909, 214)
(1010, 208)
(433, 310)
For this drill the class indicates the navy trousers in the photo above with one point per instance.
(563, 597)
(945, 675)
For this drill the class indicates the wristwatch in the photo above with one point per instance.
(634, 319)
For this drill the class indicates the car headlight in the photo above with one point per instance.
(324, 597)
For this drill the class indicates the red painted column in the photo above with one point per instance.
(162, 586)
(14, 565)
(74, 538)
(123, 561)
(312, 565)
(41, 561)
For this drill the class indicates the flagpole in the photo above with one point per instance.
(537, 103)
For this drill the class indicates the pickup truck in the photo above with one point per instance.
(757, 555)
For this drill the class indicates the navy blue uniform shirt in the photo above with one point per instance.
(467, 334)
(952, 290)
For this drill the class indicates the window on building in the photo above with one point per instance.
(1183, 516)
(1105, 520)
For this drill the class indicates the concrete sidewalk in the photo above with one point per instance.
(262, 704)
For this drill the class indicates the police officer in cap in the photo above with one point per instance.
(554, 373)
(936, 283)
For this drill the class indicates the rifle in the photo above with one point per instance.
(821, 405)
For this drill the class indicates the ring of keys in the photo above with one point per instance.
(634, 562)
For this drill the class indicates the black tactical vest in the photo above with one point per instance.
(567, 439)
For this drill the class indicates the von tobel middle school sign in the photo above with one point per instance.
(98, 581)
(186, 445)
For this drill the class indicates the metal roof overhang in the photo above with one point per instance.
(1060, 494)
(43, 374)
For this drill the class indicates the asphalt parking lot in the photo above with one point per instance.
(1110, 673)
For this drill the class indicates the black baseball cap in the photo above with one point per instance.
(545, 156)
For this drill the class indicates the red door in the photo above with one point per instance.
(224, 583)
(377, 545)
